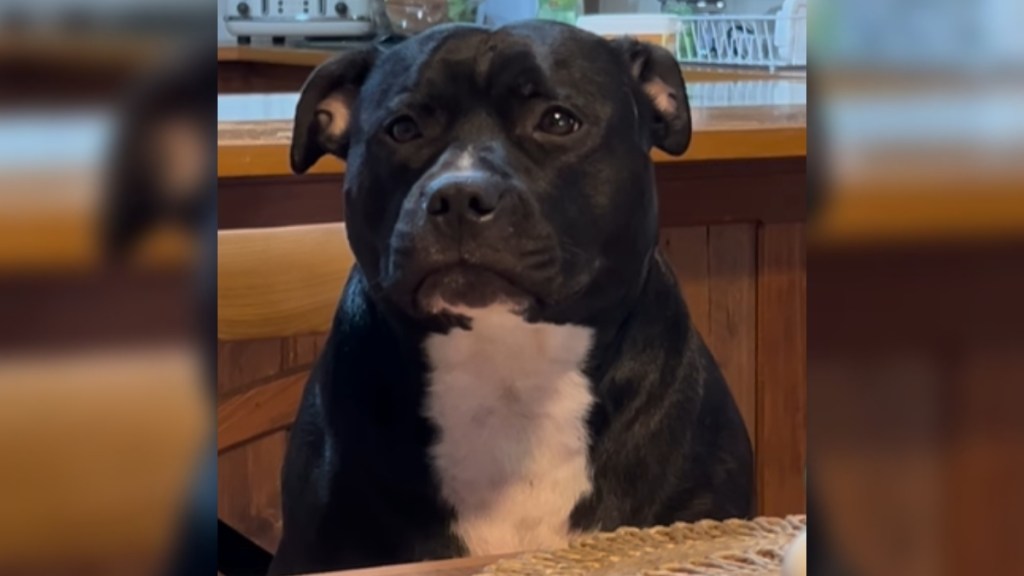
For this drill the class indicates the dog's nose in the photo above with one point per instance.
(469, 199)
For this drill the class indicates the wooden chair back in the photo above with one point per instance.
(280, 282)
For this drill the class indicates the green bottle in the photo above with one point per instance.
(462, 10)
(822, 29)
(687, 49)
(559, 10)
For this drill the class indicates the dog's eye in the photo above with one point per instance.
(403, 129)
(558, 121)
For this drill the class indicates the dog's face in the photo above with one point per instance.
(498, 167)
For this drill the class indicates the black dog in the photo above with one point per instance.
(511, 362)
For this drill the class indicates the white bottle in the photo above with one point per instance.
(794, 563)
(791, 32)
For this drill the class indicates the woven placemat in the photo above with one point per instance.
(709, 548)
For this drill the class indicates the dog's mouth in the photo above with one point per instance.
(466, 286)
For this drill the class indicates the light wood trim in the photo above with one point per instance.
(259, 411)
(280, 282)
(261, 148)
(889, 215)
(455, 567)
(61, 230)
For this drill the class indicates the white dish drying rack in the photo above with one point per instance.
(740, 93)
(772, 42)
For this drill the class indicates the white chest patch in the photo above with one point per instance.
(510, 402)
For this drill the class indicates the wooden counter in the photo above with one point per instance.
(746, 162)
(738, 120)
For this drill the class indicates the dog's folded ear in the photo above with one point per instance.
(658, 73)
(323, 114)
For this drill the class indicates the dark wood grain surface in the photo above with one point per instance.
(781, 369)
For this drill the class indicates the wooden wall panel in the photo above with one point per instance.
(879, 413)
(686, 250)
(233, 494)
(983, 460)
(781, 369)
(259, 383)
(732, 273)
(247, 77)
(269, 202)
(259, 410)
(265, 457)
(716, 267)
(249, 489)
(897, 384)
(303, 350)
(240, 364)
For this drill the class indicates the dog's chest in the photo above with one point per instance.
(510, 403)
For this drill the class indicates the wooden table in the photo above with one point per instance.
(456, 567)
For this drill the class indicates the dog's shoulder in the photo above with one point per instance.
(665, 393)
(343, 353)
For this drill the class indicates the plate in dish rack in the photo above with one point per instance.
(708, 548)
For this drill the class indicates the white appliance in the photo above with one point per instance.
(281, 19)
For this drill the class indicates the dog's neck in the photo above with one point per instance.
(511, 401)
(651, 301)
(510, 404)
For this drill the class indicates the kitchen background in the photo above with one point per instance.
(746, 7)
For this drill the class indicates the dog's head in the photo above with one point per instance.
(506, 166)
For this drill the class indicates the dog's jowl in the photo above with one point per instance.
(511, 362)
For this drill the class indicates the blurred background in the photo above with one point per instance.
(915, 277)
(915, 282)
(107, 168)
